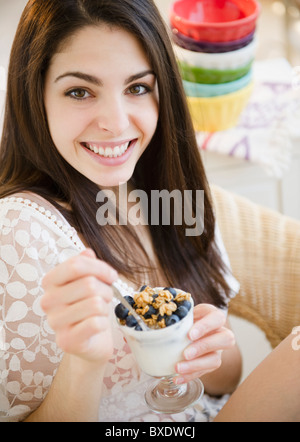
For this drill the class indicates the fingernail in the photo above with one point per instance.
(183, 367)
(190, 353)
(179, 381)
(195, 334)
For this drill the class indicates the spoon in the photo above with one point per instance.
(126, 304)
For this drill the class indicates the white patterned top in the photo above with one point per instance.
(34, 238)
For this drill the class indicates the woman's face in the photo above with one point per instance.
(101, 100)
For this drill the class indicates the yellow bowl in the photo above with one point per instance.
(219, 113)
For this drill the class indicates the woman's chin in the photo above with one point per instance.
(111, 181)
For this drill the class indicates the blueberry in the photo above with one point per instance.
(121, 311)
(171, 320)
(138, 328)
(131, 321)
(143, 288)
(182, 312)
(172, 291)
(186, 304)
(150, 312)
(130, 300)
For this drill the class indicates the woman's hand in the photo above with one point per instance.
(210, 338)
(77, 302)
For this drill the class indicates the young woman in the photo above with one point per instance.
(94, 101)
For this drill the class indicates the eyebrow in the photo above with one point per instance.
(97, 82)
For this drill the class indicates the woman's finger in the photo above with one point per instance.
(205, 364)
(184, 379)
(223, 339)
(201, 310)
(79, 338)
(79, 267)
(66, 316)
(212, 320)
(87, 287)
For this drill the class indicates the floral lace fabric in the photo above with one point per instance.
(34, 238)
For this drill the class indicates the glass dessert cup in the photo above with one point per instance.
(168, 398)
(157, 352)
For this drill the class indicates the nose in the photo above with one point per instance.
(113, 117)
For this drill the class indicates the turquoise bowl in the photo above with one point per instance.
(214, 90)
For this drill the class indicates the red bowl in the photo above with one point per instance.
(215, 20)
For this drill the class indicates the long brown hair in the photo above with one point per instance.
(29, 160)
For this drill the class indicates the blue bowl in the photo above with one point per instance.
(198, 90)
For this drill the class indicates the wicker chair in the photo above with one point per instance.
(264, 251)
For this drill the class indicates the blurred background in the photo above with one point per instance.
(269, 173)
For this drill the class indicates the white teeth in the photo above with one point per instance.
(117, 152)
(108, 152)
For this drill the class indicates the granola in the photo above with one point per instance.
(159, 308)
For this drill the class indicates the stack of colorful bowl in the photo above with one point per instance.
(215, 43)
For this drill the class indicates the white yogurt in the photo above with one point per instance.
(158, 351)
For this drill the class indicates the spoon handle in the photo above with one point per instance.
(126, 304)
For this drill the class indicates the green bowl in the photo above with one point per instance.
(212, 76)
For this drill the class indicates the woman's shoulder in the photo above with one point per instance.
(28, 201)
(31, 212)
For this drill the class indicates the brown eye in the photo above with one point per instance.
(78, 94)
(138, 89)
(135, 90)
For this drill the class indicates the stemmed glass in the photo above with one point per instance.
(168, 398)
(157, 352)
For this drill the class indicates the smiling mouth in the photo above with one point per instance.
(108, 152)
